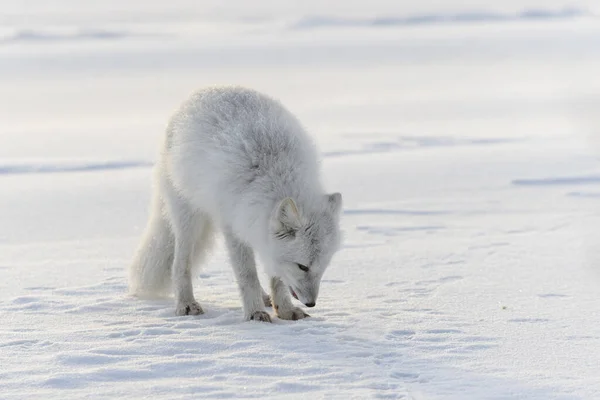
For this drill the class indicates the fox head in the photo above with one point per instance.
(303, 241)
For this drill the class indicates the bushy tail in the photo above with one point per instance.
(150, 271)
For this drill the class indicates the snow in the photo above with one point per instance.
(466, 150)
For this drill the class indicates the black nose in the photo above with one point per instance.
(310, 304)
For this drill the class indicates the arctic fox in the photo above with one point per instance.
(237, 161)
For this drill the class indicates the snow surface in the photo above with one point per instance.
(463, 137)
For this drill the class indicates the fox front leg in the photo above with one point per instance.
(244, 267)
(282, 303)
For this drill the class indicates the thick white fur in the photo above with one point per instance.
(236, 160)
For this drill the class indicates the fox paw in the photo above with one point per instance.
(192, 308)
(266, 300)
(291, 313)
(262, 316)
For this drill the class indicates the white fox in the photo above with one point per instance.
(236, 160)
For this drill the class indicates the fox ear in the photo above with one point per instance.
(334, 201)
(286, 218)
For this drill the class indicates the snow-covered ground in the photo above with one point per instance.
(464, 139)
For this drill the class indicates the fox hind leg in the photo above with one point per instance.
(193, 231)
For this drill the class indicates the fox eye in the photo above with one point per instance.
(303, 267)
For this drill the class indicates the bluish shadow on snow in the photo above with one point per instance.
(61, 167)
(590, 195)
(398, 230)
(40, 36)
(316, 21)
(377, 211)
(403, 143)
(556, 181)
